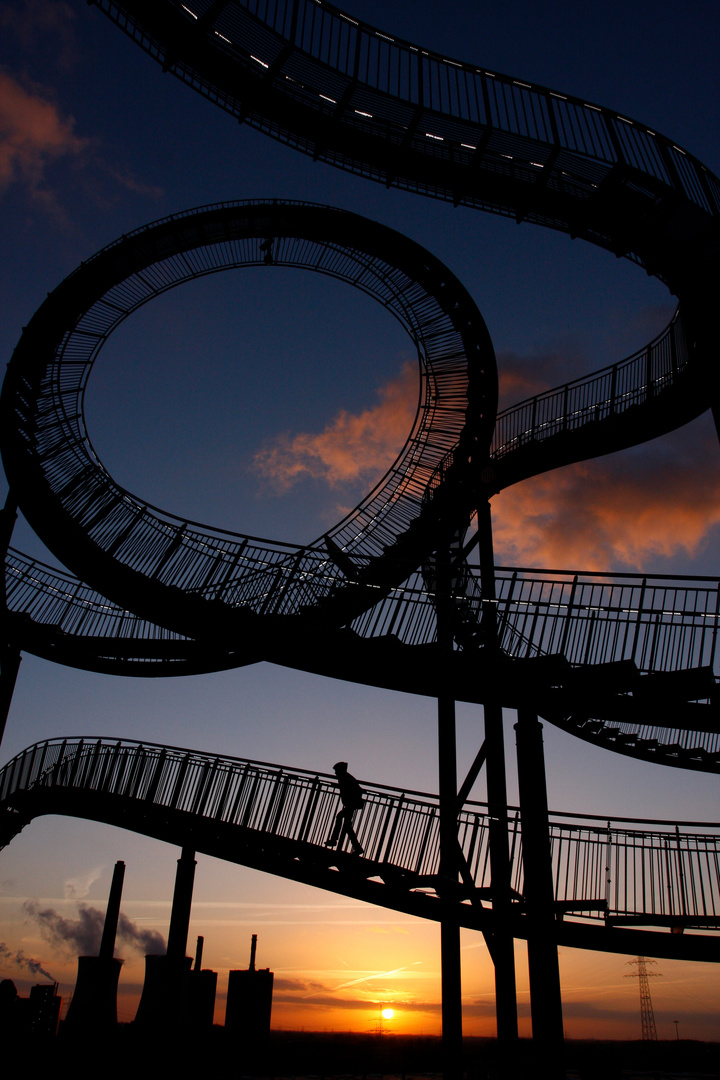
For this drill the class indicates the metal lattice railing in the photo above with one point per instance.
(616, 870)
(331, 65)
(658, 623)
(58, 601)
(44, 391)
(661, 623)
(634, 382)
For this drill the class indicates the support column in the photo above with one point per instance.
(9, 652)
(503, 949)
(8, 517)
(451, 976)
(449, 926)
(10, 658)
(503, 952)
(543, 968)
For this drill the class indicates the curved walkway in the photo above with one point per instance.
(354, 96)
(621, 886)
(204, 582)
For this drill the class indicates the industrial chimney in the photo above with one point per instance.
(164, 1000)
(94, 1003)
(201, 992)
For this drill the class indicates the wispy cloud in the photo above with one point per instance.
(368, 1004)
(36, 134)
(33, 134)
(376, 975)
(353, 447)
(76, 888)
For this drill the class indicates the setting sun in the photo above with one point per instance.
(388, 1014)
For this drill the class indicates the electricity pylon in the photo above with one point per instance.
(647, 1016)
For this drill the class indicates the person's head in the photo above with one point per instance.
(340, 768)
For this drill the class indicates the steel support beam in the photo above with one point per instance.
(544, 972)
(503, 950)
(10, 658)
(9, 652)
(451, 975)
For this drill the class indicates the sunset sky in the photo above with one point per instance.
(268, 402)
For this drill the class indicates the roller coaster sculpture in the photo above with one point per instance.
(393, 594)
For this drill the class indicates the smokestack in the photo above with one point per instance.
(198, 954)
(201, 992)
(94, 1003)
(107, 945)
(164, 1000)
(253, 949)
(182, 905)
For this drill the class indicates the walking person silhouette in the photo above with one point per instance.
(351, 796)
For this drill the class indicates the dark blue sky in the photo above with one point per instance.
(95, 140)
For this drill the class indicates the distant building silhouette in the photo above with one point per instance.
(249, 1001)
(35, 1016)
(201, 992)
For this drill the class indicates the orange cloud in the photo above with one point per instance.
(32, 134)
(657, 501)
(353, 446)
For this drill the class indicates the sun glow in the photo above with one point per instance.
(388, 1014)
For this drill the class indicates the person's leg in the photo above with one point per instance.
(357, 846)
(335, 834)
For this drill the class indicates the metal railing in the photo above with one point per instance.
(334, 65)
(241, 571)
(660, 623)
(633, 383)
(56, 600)
(615, 870)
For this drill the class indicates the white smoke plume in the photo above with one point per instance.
(84, 934)
(23, 961)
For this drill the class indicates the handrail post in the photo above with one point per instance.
(673, 349)
(566, 396)
(312, 799)
(681, 873)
